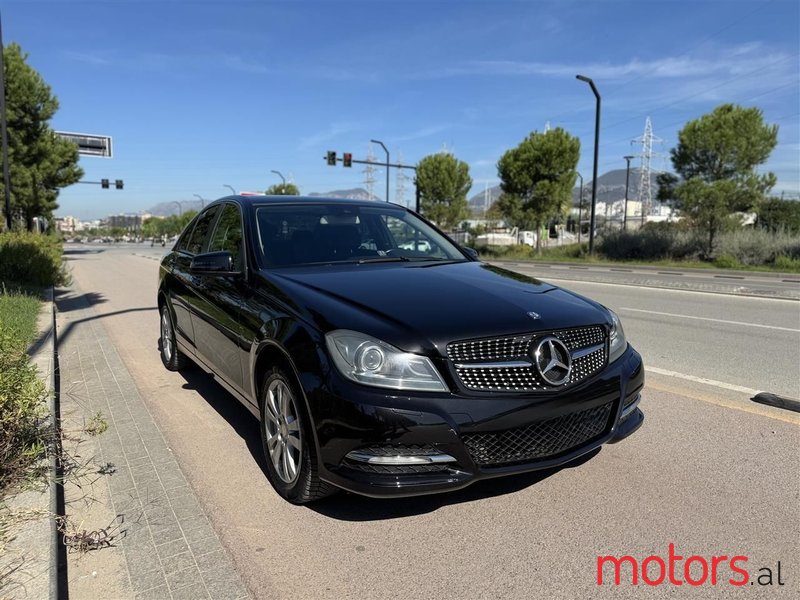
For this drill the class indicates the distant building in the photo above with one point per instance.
(126, 221)
(67, 225)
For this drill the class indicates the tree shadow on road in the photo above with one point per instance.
(67, 300)
(352, 507)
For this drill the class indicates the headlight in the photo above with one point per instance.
(617, 343)
(373, 362)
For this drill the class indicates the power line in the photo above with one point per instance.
(704, 91)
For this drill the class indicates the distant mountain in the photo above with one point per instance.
(484, 200)
(610, 188)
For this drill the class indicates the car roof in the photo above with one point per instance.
(251, 199)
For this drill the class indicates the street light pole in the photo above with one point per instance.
(279, 174)
(387, 165)
(580, 209)
(230, 187)
(4, 133)
(596, 151)
(627, 180)
(180, 207)
(202, 200)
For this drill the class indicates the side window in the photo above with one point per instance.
(227, 235)
(183, 241)
(409, 238)
(194, 244)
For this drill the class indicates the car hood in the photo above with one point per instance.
(422, 306)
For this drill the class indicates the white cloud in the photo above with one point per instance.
(334, 130)
(720, 61)
(422, 133)
(88, 58)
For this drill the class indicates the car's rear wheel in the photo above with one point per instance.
(173, 359)
(286, 438)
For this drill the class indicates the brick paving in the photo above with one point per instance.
(170, 548)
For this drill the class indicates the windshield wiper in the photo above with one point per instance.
(435, 262)
(377, 259)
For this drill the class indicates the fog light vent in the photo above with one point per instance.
(399, 455)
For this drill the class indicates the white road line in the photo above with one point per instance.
(713, 382)
(662, 289)
(663, 314)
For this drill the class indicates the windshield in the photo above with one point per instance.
(304, 234)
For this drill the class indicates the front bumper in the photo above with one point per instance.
(486, 435)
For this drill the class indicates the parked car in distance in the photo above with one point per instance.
(420, 245)
(385, 370)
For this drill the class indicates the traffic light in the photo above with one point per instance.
(331, 158)
(104, 184)
(347, 159)
(118, 184)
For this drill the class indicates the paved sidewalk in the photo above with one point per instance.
(166, 547)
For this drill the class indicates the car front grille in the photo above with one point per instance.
(505, 364)
(539, 440)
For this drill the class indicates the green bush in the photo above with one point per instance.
(22, 393)
(726, 261)
(22, 411)
(786, 263)
(18, 315)
(757, 246)
(516, 251)
(732, 249)
(31, 260)
(648, 243)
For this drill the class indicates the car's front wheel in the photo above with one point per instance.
(286, 438)
(173, 359)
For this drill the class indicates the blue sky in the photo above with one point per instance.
(198, 94)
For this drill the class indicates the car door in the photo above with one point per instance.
(181, 289)
(219, 298)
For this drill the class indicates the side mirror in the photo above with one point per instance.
(471, 252)
(213, 263)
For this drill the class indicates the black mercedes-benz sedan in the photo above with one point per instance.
(381, 357)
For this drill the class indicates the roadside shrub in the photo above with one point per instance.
(510, 252)
(31, 260)
(757, 246)
(568, 251)
(644, 244)
(786, 263)
(22, 410)
(726, 261)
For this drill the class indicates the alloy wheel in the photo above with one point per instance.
(282, 429)
(166, 335)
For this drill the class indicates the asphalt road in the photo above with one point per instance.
(770, 285)
(710, 471)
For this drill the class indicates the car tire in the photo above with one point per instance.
(173, 359)
(289, 449)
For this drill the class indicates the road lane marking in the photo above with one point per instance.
(663, 314)
(755, 409)
(720, 384)
(663, 288)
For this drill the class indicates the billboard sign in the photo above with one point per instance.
(89, 144)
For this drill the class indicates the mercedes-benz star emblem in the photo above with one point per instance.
(553, 360)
